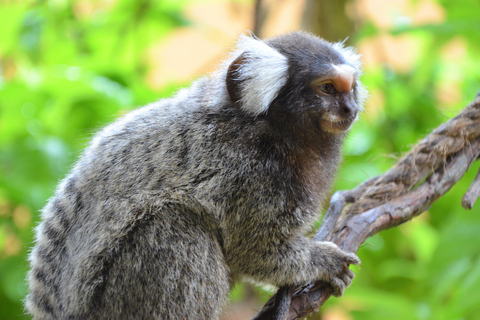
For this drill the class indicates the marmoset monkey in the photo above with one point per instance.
(174, 202)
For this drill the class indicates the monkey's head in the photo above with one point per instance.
(300, 78)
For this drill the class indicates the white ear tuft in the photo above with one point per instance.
(260, 74)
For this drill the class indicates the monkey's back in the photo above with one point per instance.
(112, 240)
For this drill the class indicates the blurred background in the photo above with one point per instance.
(67, 68)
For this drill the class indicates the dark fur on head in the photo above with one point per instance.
(174, 202)
(308, 58)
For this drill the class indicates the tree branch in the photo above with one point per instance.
(422, 176)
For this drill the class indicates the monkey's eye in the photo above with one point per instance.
(327, 88)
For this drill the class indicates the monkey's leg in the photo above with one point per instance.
(168, 267)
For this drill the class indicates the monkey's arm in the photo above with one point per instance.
(300, 260)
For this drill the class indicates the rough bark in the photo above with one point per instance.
(422, 176)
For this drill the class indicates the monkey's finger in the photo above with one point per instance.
(338, 286)
(349, 273)
(347, 277)
(351, 258)
(346, 281)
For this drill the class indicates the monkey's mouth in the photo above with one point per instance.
(336, 126)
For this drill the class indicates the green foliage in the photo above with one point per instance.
(65, 73)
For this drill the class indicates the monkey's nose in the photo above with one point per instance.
(348, 110)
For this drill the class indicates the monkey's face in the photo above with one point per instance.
(322, 91)
(335, 94)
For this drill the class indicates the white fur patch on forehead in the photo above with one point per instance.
(345, 70)
(350, 54)
(353, 58)
(262, 75)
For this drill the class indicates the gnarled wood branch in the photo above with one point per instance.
(422, 176)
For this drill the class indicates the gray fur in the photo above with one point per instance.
(174, 202)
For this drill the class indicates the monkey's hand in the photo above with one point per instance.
(333, 263)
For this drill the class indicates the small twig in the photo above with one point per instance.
(337, 204)
(472, 194)
(282, 303)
